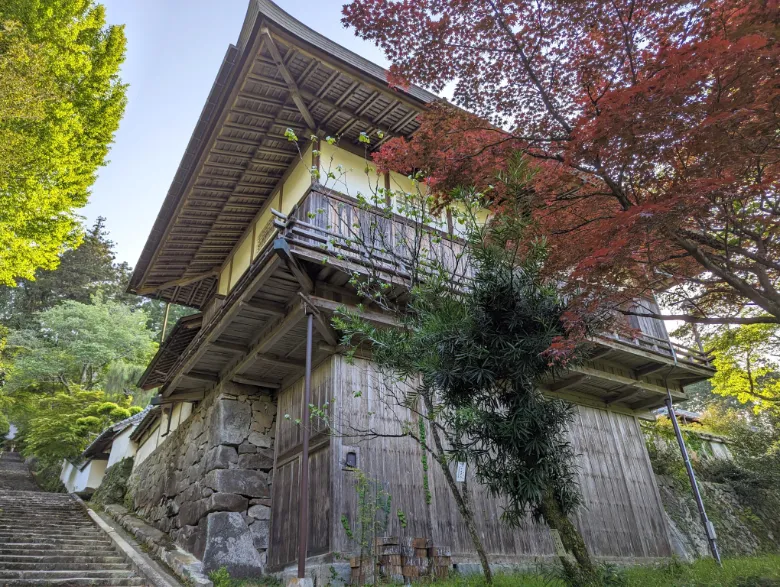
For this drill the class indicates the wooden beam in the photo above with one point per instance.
(649, 368)
(368, 315)
(616, 378)
(226, 320)
(263, 343)
(622, 397)
(288, 78)
(193, 396)
(322, 325)
(256, 382)
(599, 353)
(563, 384)
(203, 376)
(282, 249)
(279, 362)
(176, 282)
(651, 401)
(230, 346)
(271, 308)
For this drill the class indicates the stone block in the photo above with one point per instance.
(246, 448)
(263, 459)
(241, 481)
(260, 440)
(226, 502)
(230, 422)
(220, 457)
(260, 512)
(260, 533)
(191, 512)
(228, 543)
(261, 501)
(191, 456)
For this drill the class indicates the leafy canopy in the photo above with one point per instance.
(650, 127)
(65, 423)
(76, 344)
(60, 103)
(747, 366)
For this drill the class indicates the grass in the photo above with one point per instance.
(758, 571)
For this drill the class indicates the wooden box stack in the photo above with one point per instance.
(408, 560)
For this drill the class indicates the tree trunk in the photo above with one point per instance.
(584, 573)
(462, 503)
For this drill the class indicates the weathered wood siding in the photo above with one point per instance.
(284, 506)
(622, 517)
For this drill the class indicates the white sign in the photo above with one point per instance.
(460, 474)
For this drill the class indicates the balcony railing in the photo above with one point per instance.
(336, 226)
(645, 341)
(330, 225)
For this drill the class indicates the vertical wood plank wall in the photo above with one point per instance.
(622, 516)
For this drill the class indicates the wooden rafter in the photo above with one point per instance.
(295, 93)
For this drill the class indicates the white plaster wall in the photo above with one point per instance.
(89, 477)
(122, 447)
(148, 443)
(151, 441)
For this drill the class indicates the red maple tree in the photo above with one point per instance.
(651, 127)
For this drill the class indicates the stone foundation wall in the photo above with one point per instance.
(208, 485)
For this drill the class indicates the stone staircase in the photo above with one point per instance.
(48, 538)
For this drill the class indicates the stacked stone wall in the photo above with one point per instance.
(208, 485)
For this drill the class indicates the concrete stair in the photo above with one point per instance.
(48, 539)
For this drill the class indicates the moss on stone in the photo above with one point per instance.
(114, 485)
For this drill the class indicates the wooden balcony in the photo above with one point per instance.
(255, 336)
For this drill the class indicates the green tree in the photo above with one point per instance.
(747, 365)
(476, 356)
(82, 273)
(60, 103)
(76, 344)
(64, 423)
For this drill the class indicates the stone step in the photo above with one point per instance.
(60, 532)
(55, 566)
(45, 549)
(74, 582)
(98, 574)
(6, 531)
(58, 558)
(75, 542)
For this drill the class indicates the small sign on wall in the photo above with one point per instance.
(460, 473)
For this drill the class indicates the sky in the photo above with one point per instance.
(174, 50)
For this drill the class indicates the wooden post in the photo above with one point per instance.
(165, 322)
(303, 499)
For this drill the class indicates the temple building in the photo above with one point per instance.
(253, 237)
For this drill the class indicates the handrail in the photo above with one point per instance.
(336, 231)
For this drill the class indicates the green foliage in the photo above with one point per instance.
(484, 352)
(83, 272)
(221, 578)
(63, 424)
(373, 512)
(760, 571)
(75, 344)
(747, 365)
(60, 103)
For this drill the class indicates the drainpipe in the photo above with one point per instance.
(709, 529)
(303, 498)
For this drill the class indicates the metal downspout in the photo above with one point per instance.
(303, 499)
(709, 529)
